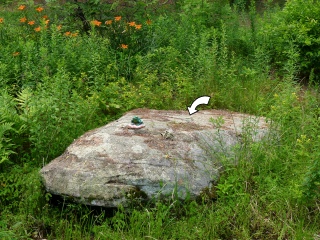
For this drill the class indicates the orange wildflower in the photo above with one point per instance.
(132, 24)
(1, 20)
(59, 27)
(118, 18)
(74, 34)
(148, 22)
(138, 26)
(22, 7)
(31, 22)
(47, 21)
(124, 46)
(16, 54)
(67, 33)
(39, 9)
(45, 16)
(23, 20)
(38, 29)
(108, 22)
(96, 23)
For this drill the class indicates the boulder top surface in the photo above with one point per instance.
(175, 151)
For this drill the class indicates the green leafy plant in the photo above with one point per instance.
(5, 145)
(11, 128)
(297, 23)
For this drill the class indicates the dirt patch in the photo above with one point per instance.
(181, 126)
(88, 142)
(161, 144)
(133, 132)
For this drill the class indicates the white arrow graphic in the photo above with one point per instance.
(198, 101)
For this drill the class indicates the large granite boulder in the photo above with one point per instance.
(173, 153)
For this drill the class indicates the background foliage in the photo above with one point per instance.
(297, 24)
(67, 67)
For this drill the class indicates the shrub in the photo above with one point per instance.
(299, 24)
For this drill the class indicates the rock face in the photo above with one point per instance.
(174, 152)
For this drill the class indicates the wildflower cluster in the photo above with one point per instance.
(35, 20)
(123, 34)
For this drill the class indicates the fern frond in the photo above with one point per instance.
(24, 97)
(4, 127)
(9, 113)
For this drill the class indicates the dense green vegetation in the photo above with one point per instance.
(61, 76)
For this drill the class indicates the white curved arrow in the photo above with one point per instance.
(198, 101)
